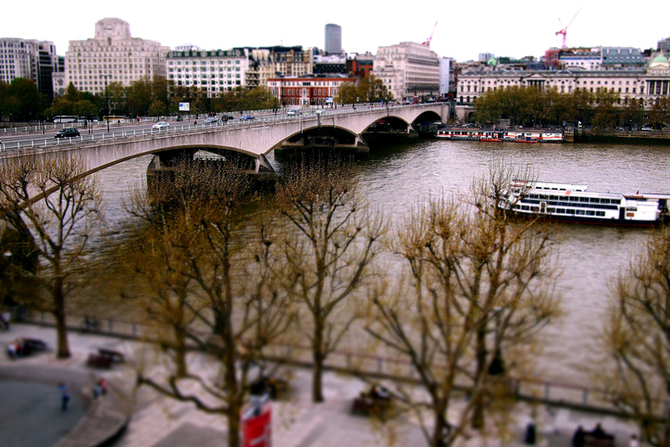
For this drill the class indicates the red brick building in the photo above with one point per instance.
(307, 90)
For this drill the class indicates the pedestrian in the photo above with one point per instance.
(5, 319)
(103, 386)
(195, 123)
(97, 390)
(64, 395)
(633, 441)
(578, 438)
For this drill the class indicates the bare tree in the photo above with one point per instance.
(637, 337)
(478, 285)
(329, 251)
(56, 210)
(228, 292)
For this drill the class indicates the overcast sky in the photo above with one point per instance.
(514, 28)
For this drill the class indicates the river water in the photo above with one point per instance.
(591, 256)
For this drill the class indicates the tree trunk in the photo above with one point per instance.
(478, 406)
(63, 348)
(318, 358)
(180, 352)
(234, 418)
(440, 429)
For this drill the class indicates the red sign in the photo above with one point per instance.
(257, 424)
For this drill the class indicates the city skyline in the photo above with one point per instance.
(522, 28)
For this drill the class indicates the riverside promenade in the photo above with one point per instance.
(154, 421)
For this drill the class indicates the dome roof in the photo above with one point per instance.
(660, 62)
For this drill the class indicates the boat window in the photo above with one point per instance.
(600, 213)
(560, 210)
(569, 211)
(604, 200)
(551, 210)
(534, 209)
(590, 213)
(595, 200)
(574, 199)
(616, 201)
(581, 212)
(554, 198)
(631, 208)
(583, 199)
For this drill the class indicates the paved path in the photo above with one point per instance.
(160, 422)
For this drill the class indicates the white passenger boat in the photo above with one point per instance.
(568, 202)
(488, 135)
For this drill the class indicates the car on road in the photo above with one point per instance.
(319, 111)
(647, 129)
(211, 120)
(161, 125)
(293, 112)
(247, 118)
(226, 118)
(68, 132)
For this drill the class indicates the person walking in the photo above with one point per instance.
(5, 319)
(64, 396)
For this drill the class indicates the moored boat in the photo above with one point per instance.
(566, 202)
(509, 135)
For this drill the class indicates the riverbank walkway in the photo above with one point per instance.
(296, 421)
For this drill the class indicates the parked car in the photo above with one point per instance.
(161, 125)
(647, 129)
(68, 132)
(211, 120)
(247, 118)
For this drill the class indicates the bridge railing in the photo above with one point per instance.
(266, 119)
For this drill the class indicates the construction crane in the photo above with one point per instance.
(564, 31)
(427, 42)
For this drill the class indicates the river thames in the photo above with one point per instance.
(398, 177)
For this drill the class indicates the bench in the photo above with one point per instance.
(104, 358)
(116, 356)
(375, 402)
(598, 441)
(99, 361)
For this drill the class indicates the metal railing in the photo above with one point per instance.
(268, 119)
(357, 363)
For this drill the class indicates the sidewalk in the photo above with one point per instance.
(297, 422)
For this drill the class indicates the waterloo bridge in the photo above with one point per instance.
(342, 127)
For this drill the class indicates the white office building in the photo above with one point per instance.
(214, 71)
(113, 55)
(408, 69)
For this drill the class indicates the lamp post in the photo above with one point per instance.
(107, 101)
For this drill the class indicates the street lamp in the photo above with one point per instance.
(107, 101)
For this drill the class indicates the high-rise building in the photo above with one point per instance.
(113, 55)
(408, 69)
(333, 39)
(29, 59)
